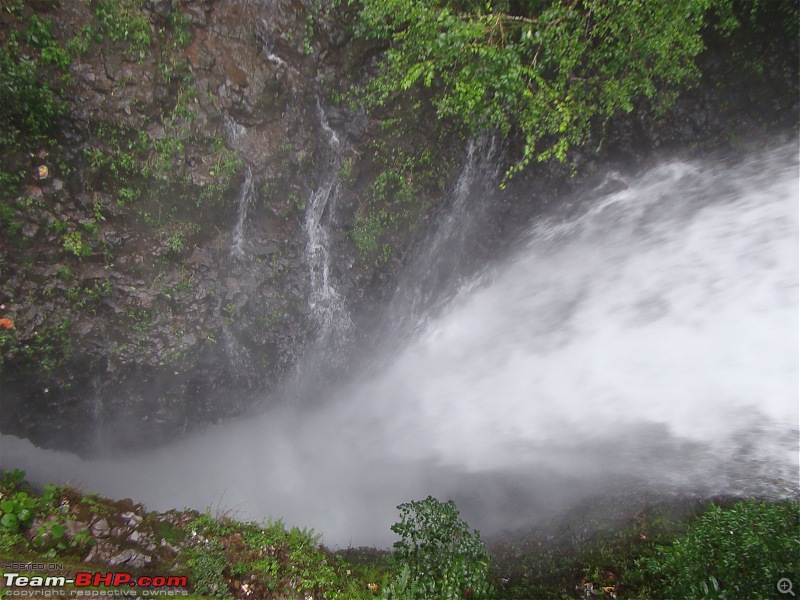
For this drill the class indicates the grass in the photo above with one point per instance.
(221, 557)
(647, 548)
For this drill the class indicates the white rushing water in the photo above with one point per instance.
(327, 306)
(245, 199)
(237, 131)
(651, 342)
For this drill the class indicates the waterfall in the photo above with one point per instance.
(648, 342)
(246, 192)
(327, 306)
(245, 199)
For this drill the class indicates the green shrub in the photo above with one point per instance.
(27, 104)
(17, 512)
(366, 232)
(124, 21)
(13, 481)
(437, 555)
(393, 202)
(180, 29)
(553, 72)
(40, 35)
(207, 571)
(737, 552)
(73, 242)
(267, 555)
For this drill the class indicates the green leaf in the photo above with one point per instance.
(58, 531)
(9, 521)
(25, 516)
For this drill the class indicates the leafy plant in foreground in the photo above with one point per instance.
(437, 555)
(17, 512)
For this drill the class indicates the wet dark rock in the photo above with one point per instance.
(30, 230)
(75, 527)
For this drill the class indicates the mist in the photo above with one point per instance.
(647, 342)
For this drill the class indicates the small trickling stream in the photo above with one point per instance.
(434, 274)
(327, 305)
(245, 199)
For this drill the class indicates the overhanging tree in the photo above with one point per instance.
(550, 70)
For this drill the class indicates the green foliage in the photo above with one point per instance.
(82, 541)
(391, 202)
(28, 106)
(10, 212)
(437, 555)
(47, 347)
(176, 242)
(8, 345)
(17, 512)
(346, 170)
(58, 226)
(51, 539)
(124, 21)
(40, 35)
(50, 345)
(664, 551)
(74, 243)
(163, 157)
(82, 41)
(179, 22)
(91, 227)
(737, 552)
(116, 157)
(366, 232)
(226, 163)
(18, 508)
(50, 495)
(552, 71)
(83, 296)
(13, 481)
(207, 571)
(136, 166)
(126, 195)
(273, 560)
(180, 291)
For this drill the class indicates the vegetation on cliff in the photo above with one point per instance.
(115, 166)
(65, 184)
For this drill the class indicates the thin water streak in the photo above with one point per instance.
(434, 275)
(245, 199)
(327, 306)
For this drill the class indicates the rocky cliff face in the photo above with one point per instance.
(156, 258)
(159, 264)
